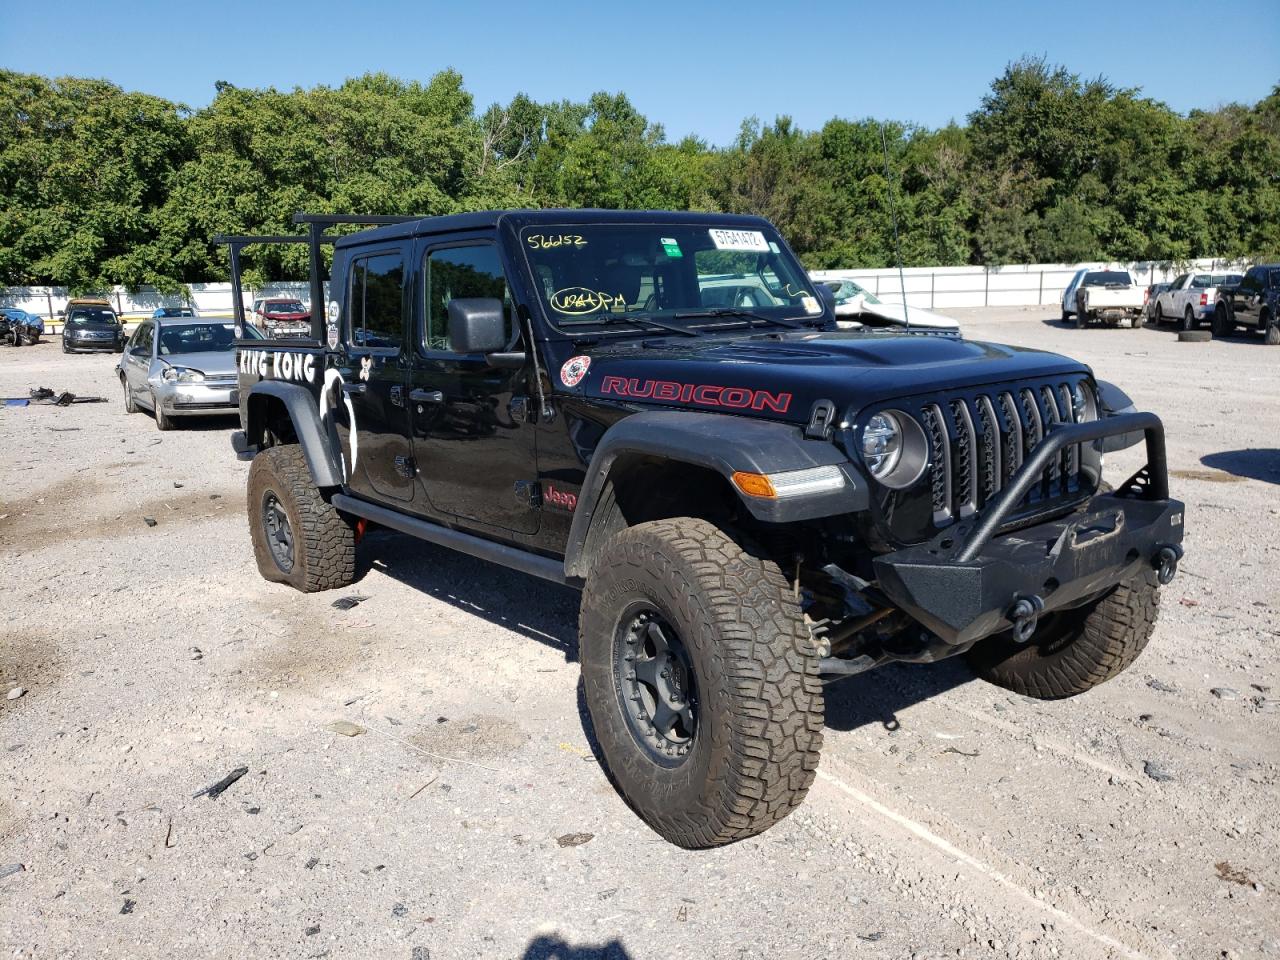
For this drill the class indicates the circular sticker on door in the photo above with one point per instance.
(574, 369)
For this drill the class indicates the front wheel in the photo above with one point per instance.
(1074, 650)
(1159, 315)
(1270, 330)
(701, 679)
(163, 420)
(299, 538)
(1221, 326)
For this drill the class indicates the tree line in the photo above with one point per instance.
(102, 186)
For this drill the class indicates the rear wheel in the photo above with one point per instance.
(130, 405)
(1189, 319)
(1074, 650)
(299, 538)
(1270, 330)
(701, 678)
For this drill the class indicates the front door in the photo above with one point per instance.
(136, 362)
(373, 378)
(472, 441)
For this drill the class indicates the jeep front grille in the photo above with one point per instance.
(979, 441)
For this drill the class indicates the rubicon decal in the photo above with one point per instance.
(574, 369)
(704, 394)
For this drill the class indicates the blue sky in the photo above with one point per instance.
(696, 67)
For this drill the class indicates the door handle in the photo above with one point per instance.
(350, 388)
(427, 396)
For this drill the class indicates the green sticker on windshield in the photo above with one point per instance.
(670, 247)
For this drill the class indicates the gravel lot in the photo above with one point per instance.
(948, 819)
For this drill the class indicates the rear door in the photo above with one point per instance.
(473, 442)
(373, 375)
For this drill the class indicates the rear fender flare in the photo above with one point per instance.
(322, 456)
(723, 444)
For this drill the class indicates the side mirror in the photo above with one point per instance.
(477, 325)
(1112, 401)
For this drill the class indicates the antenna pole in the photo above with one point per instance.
(893, 214)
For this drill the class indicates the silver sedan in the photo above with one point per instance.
(181, 367)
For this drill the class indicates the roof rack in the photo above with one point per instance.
(314, 238)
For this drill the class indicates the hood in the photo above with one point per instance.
(210, 363)
(781, 377)
(895, 313)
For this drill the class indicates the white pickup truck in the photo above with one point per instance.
(1191, 298)
(1110, 297)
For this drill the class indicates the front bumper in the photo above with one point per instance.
(197, 399)
(973, 581)
(113, 344)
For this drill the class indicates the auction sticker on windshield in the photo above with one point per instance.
(750, 241)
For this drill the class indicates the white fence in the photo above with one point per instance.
(1020, 285)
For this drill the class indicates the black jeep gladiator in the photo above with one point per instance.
(659, 409)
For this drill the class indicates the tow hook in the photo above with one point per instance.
(1166, 563)
(1025, 617)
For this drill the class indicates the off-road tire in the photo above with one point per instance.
(130, 405)
(754, 669)
(163, 420)
(324, 552)
(1075, 650)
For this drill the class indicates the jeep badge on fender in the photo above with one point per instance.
(660, 410)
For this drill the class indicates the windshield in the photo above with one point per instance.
(91, 315)
(846, 290)
(196, 338)
(284, 306)
(590, 273)
(1105, 278)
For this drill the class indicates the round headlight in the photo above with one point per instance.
(1083, 405)
(881, 444)
(894, 449)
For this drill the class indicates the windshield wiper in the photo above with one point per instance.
(747, 315)
(608, 318)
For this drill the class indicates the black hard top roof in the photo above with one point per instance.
(489, 219)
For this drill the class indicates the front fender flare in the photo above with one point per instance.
(317, 446)
(724, 444)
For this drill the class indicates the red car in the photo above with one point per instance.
(282, 317)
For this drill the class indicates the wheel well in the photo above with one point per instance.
(642, 488)
(269, 422)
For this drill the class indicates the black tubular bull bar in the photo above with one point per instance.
(976, 578)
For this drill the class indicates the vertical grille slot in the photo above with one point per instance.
(1013, 443)
(966, 460)
(939, 463)
(992, 476)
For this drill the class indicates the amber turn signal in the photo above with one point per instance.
(754, 484)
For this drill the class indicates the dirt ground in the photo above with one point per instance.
(948, 818)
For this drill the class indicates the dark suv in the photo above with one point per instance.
(91, 325)
(752, 501)
(1254, 303)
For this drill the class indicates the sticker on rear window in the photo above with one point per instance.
(749, 241)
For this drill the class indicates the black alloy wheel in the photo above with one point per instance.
(656, 681)
(275, 522)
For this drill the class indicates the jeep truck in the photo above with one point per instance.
(1110, 297)
(752, 501)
